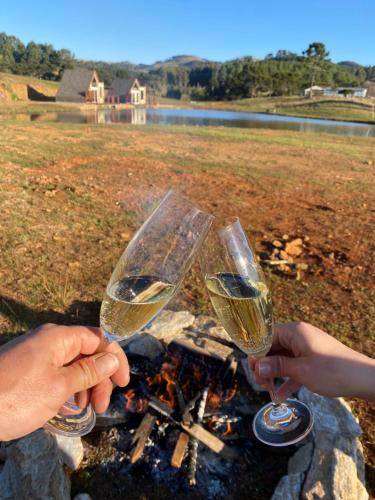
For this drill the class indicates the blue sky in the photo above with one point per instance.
(147, 30)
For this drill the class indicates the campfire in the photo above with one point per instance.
(192, 395)
(186, 415)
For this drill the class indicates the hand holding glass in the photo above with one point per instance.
(242, 301)
(145, 278)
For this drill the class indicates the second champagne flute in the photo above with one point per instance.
(242, 301)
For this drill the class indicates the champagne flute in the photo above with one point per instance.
(242, 301)
(146, 277)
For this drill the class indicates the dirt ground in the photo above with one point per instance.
(72, 196)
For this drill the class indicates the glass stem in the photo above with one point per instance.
(272, 393)
(277, 404)
(110, 337)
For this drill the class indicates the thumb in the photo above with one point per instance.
(278, 366)
(89, 371)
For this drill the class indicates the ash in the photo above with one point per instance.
(182, 428)
(215, 476)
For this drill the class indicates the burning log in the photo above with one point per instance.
(180, 398)
(183, 438)
(180, 450)
(141, 436)
(186, 416)
(210, 440)
(161, 407)
(195, 430)
(194, 441)
(225, 425)
(205, 347)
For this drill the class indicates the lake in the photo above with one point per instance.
(203, 117)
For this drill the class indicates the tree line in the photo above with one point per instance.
(283, 73)
(41, 60)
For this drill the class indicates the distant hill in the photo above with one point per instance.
(350, 64)
(364, 72)
(182, 64)
(184, 60)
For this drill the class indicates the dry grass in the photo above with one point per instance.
(72, 195)
(346, 109)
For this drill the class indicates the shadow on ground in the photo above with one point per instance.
(78, 313)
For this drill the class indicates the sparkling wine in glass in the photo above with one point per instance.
(242, 301)
(145, 278)
(131, 302)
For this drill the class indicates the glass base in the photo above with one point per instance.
(72, 420)
(283, 424)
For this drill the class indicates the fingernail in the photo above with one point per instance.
(106, 364)
(264, 368)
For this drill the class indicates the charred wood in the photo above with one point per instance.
(141, 436)
(180, 449)
(195, 430)
(194, 442)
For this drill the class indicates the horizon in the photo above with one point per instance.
(212, 32)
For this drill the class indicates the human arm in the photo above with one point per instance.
(308, 356)
(40, 370)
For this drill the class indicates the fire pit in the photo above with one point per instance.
(183, 425)
(182, 429)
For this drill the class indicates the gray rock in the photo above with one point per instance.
(145, 345)
(301, 460)
(360, 462)
(82, 496)
(210, 326)
(289, 487)
(71, 449)
(333, 472)
(331, 415)
(349, 457)
(361, 491)
(203, 344)
(337, 465)
(203, 323)
(220, 333)
(168, 324)
(345, 478)
(33, 470)
(319, 477)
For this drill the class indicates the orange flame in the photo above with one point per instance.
(230, 394)
(212, 422)
(165, 386)
(134, 405)
(214, 399)
(129, 395)
(197, 374)
(142, 405)
(229, 429)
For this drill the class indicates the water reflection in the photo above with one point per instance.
(134, 116)
(202, 117)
